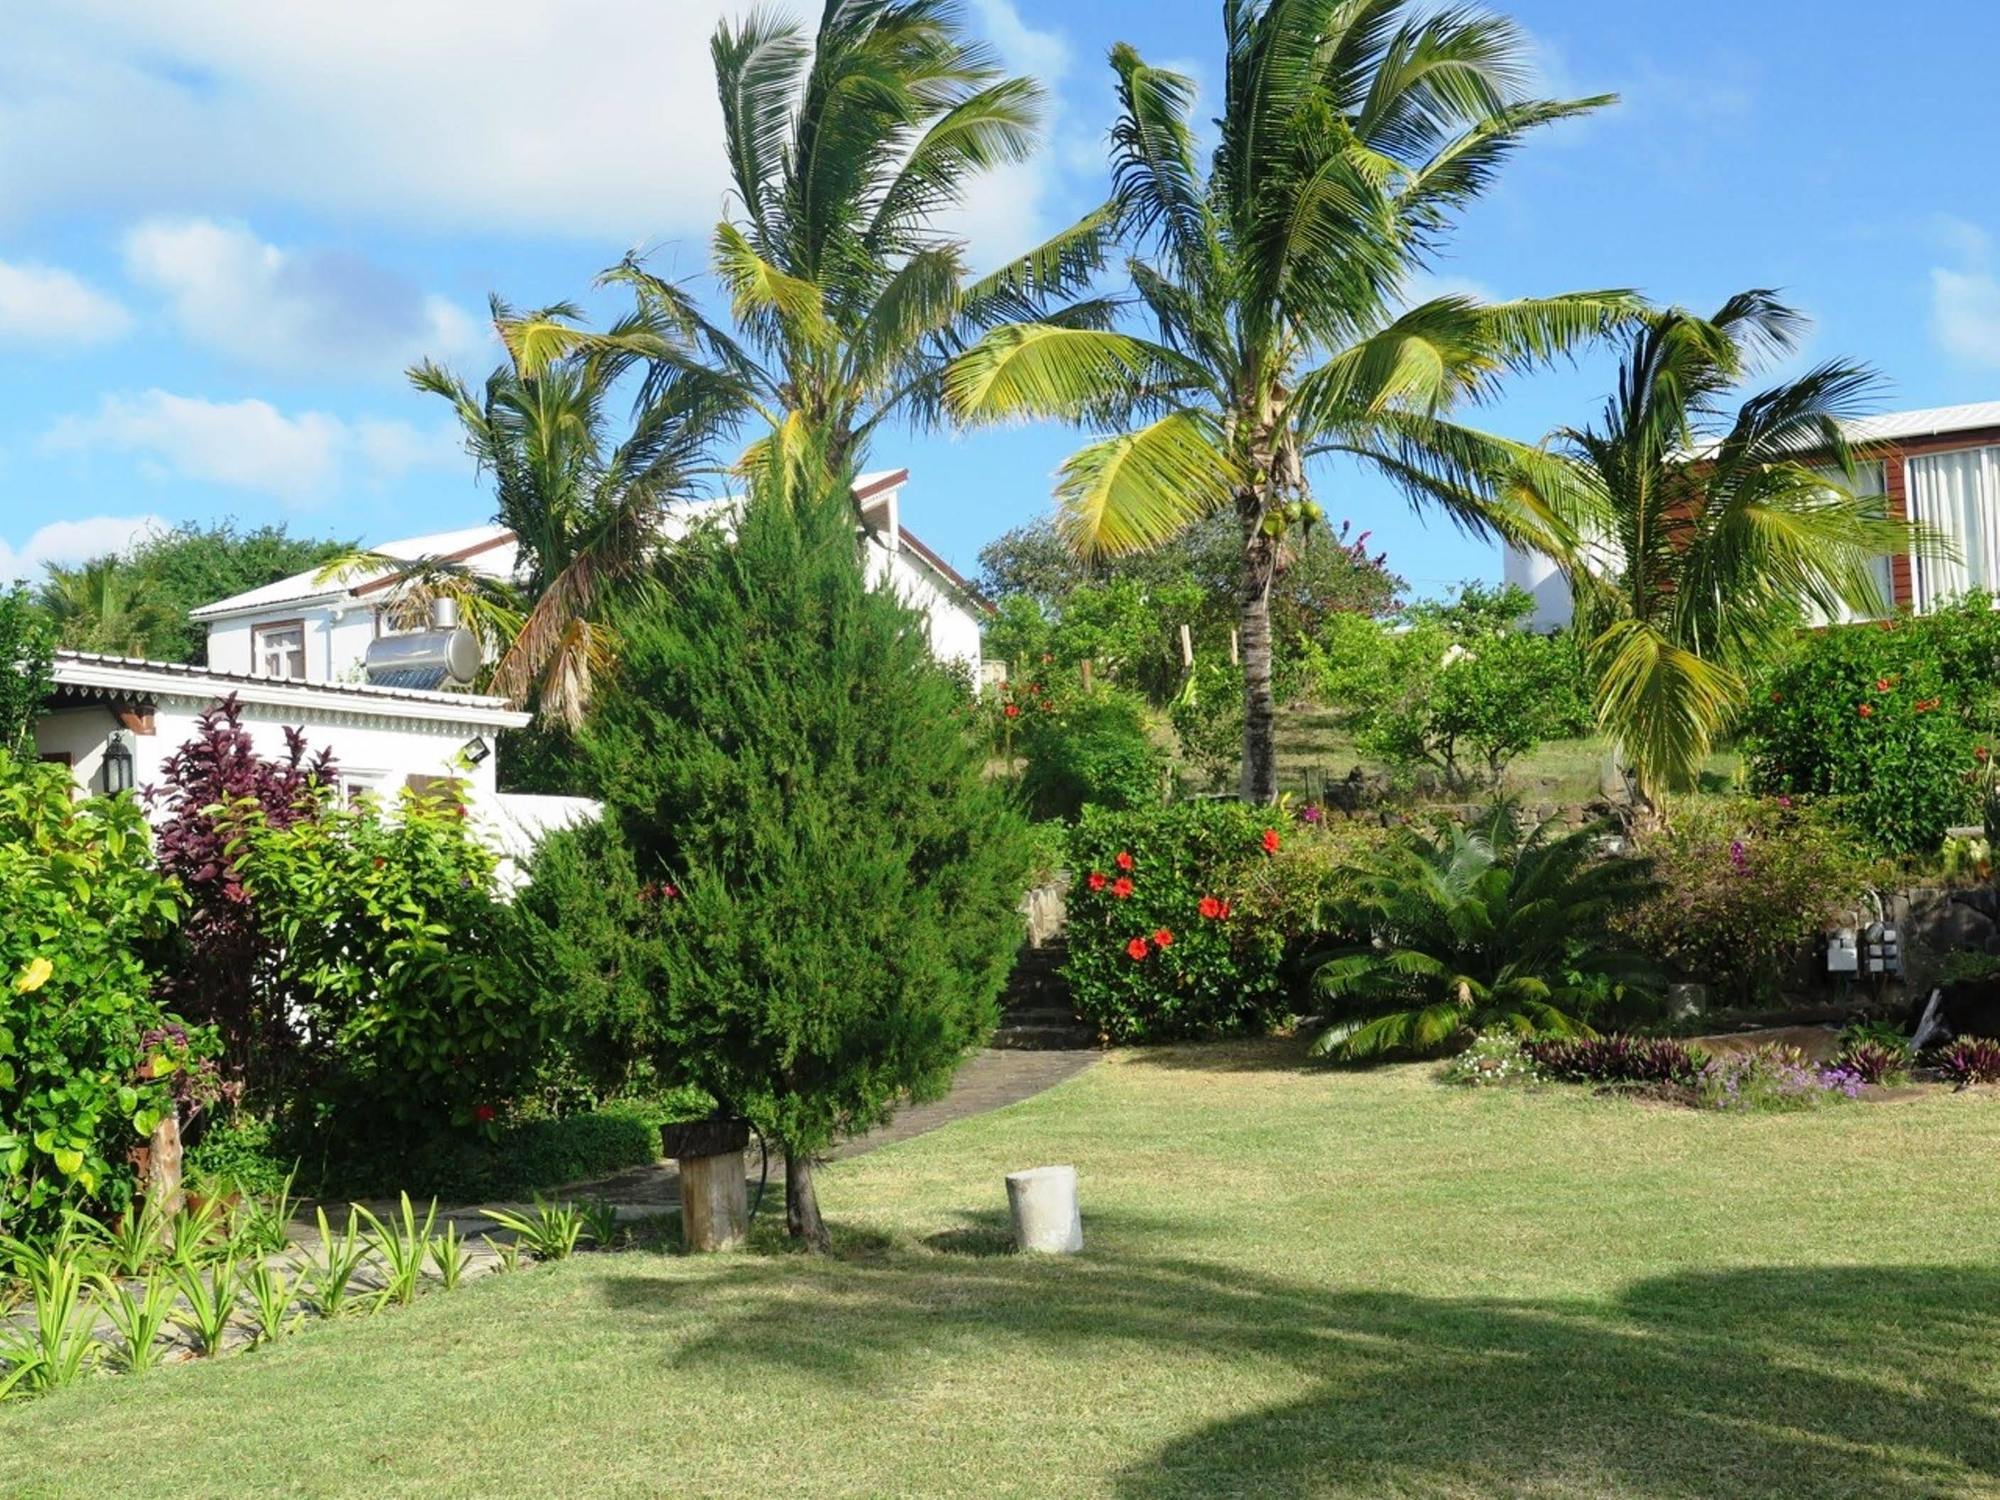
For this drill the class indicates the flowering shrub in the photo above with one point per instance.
(1970, 1059)
(1775, 1079)
(1744, 891)
(80, 901)
(1887, 717)
(1497, 1056)
(1165, 931)
(1616, 1059)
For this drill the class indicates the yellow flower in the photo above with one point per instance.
(34, 976)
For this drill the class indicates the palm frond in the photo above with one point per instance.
(1134, 490)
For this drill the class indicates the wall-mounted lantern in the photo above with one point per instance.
(118, 763)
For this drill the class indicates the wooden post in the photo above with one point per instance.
(1086, 674)
(715, 1207)
(1187, 648)
(163, 1167)
(1235, 650)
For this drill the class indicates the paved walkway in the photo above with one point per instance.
(990, 1080)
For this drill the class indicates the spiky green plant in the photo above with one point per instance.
(1280, 282)
(1469, 928)
(262, 1224)
(549, 1232)
(600, 1222)
(210, 1294)
(401, 1248)
(327, 1271)
(449, 1256)
(139, 1318)
(272, 1295)
(58, 1343)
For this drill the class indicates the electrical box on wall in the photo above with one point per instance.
(1843, 956)
(1882, 949)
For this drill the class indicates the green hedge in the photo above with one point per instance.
(524, 1157)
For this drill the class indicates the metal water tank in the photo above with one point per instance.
(447, 656)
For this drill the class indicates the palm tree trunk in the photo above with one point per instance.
(1260, 708)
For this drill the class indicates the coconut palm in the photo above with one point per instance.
(1479, 927)
(845, 152)
(585, 510)
(1706, 530)
(96, 607)
(1276, 280)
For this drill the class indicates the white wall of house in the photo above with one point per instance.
(337, 635)
(379, 741)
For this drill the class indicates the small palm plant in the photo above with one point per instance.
(1476, 927)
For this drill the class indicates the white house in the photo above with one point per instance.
(1940, 466)
(320, 655)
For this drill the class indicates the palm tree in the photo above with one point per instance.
(1351, 133)
(1480, 927)
(96, 607)
(843, 154)
(585, 511)
(1705, 532)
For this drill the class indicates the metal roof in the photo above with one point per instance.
(1935, 421)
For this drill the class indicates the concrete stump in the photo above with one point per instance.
(1046, 1218)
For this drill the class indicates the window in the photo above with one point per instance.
(1869, 479)
(280, 650)
(1955, 493)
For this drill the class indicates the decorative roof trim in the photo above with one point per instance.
(128, 676)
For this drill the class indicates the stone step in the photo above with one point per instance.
(1044, 1038)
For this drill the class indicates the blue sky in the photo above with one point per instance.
(223, 234)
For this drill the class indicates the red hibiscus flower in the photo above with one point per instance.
(1137, 947)
(1210, 907)
(1881, 684)
(1012, 710)
(1123, 860)
(1096, 880)
(1225, 911)
(1270, 841)
(1867, 710)
(1777, 697)
(1164, 938)
(1122, 888)
(484, 1113)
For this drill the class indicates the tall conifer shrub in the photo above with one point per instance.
(833, 877)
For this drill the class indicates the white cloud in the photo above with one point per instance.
(72, 542)
(292, 310)
(250, 444)
(1965, 299)
(43, 304)
(595, 120)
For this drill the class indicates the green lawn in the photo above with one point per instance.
(1297, 1283)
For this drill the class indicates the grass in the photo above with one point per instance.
(1296, 1283)
(1561, 771)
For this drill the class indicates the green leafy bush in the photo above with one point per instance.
(386, 935)
(1745, 893)
(1468, 928)
(1452, 692)
(1888, 718)
(1085, 749)
(1207, 716)
(80, 901)
(1164, 940)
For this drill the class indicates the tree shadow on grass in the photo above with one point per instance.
(1782, 1381)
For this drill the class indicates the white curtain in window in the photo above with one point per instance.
(1955, 493)
(1869, 479)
